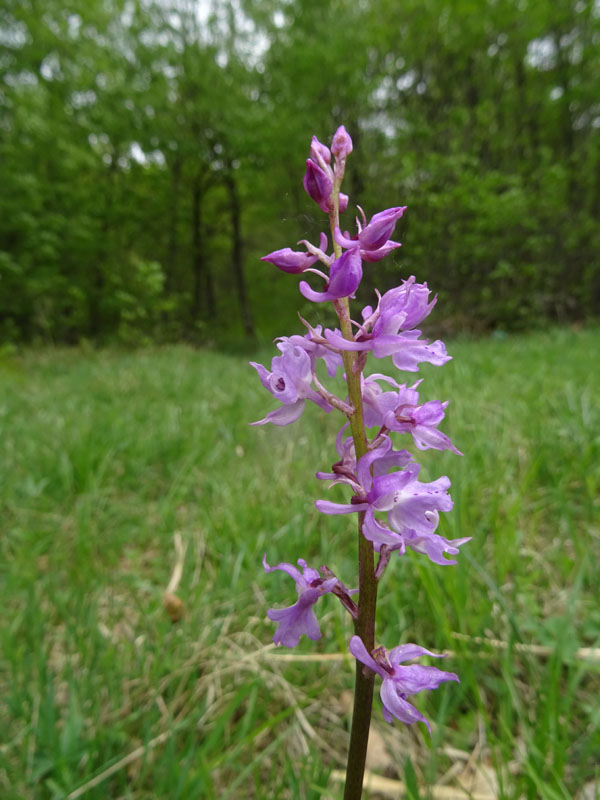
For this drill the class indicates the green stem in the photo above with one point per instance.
(363, 688)
(364, 625)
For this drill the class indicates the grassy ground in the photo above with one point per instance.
(107, 456)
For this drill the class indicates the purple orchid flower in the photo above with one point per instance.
(333, 361)
(376, 402)
(376, 255)
(403, 307)
(412, 506)
(369, 467)
(401, 412)
(376, 234)
(420, 421)
(290, 382)
(344, 278)
(412, 515)
(395, 536)
(294, 261)
(299, 618)
(291, 261)
(410, 503)
(398, 311)
(399, 680)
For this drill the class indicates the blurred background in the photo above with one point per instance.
(151, 152)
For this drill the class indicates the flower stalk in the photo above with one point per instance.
(396, 511)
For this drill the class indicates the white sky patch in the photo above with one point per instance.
(137, 153)
(83, 99)
(50, 67)
(23, 78)
(74, 23)
(541, 53)
(407, 80)
(145, 159)
(211, 25)
(15, 36)
(385, 91)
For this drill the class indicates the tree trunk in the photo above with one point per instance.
(98, 276)
(203, 296)
(173, 242)
(236, 251)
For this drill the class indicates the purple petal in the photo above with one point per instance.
(317, 185)
(398, 707)
(406, 652)
(377, 533)
(380, 228)
(363, 467)
(427, 438)
(417, 678)
(397, 458)
(293, 622)
(345, 240)
(344, 278)
(290, 261)
(291, 570)
(376, 255)
(337, 340)
(319, 152)
(284, 415)
(326, 507)
(263, 374)
(433, 546)
(411, 353)
(360, 652)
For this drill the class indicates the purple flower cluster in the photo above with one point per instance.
(398, 510)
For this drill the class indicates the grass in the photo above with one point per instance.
(107, 455)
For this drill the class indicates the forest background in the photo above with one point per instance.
(151, 152)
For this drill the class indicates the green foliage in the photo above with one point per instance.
(107, 455)
(135, 297)
(144, 131)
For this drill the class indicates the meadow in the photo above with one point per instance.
(120, 468)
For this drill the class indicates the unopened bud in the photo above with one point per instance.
(341, 146)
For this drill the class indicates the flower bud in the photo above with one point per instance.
(380, 228)
(341, 146)
(290, 260)
(317, 185)
(319, 153)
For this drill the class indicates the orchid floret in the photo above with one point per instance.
(300, 618)
(400, 680)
